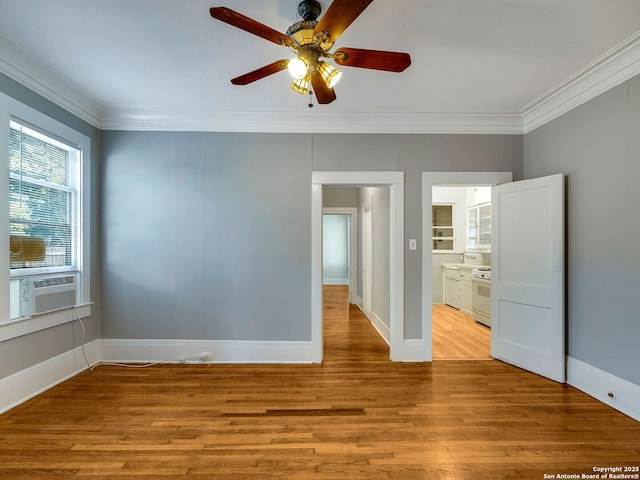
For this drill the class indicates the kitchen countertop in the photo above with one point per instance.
(463, 265)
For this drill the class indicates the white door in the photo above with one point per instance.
(528, 318)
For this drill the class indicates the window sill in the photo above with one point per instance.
(26, 325)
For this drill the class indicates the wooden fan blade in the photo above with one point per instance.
(261, 72)
(373, 59)
(324, 94)
(247, 24)
(339, 16)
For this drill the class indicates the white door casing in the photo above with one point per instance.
(528, 272)
(429, 179)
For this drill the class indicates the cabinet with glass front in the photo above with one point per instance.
(479, 226)
(442, 236)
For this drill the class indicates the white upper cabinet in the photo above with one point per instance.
(479, 218)
(461, 219)
(479, 227)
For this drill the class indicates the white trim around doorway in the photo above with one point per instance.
(395, 181)
(429, 179)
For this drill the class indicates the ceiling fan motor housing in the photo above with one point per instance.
(309, 9)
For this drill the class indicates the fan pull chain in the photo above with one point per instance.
(310, 99)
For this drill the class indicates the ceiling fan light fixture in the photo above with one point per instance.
(302, 32)
(301, 85)
(329, 73)
(297, 68)
(310, 40)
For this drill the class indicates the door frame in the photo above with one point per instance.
(395, 182)
(367, 256)
(352, 213)
(429, 179)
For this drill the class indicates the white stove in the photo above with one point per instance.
(483, 273)
(481, 296)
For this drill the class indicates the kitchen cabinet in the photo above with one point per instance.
(442, 230)
(451, 286)
(466, 290)
(457, 288)
(479, 226)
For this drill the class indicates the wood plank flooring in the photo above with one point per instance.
(357, 416)
(457, 335)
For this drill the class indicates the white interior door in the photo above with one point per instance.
(528, 318)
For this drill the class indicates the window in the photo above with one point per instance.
(442, 227)
(44, 178)
(46, 172)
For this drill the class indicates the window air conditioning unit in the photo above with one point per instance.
(41, 295)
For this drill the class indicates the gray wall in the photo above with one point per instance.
(23, 352)
(379, 198)
(443, 153)
(598, 147)
(207, 235)
(340, 197)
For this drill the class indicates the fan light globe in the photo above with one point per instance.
(330, 74)
(301, 85)
(297, 68)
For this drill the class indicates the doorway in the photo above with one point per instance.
(352, 277)
(336, 254)
(429, 180)
(395, 182)
(460, 242)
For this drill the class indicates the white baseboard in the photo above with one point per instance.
(25, 384)
(379, 325)
(599, 384)
(222, 351)
(21, 386)
(413, 350)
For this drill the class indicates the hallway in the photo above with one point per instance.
(348, 334)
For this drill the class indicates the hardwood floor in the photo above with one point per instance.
(357, 416)
(457, 335)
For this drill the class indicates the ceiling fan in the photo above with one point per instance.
(311, 40)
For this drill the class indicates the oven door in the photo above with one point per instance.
(481, 301)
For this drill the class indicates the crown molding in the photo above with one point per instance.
(611, 69)
(16, 65)
(606, 72)
(310, 122)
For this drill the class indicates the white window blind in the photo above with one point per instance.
(43, 200)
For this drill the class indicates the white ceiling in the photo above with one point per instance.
(477, 65)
